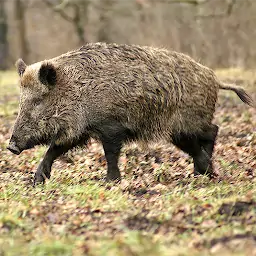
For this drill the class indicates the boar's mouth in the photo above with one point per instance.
(17, 148)
(13, 148)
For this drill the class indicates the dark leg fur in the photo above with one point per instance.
(112, 152)
(53, 152)
(207, 139)
(190, 145)
(200, 147)
(113, 135)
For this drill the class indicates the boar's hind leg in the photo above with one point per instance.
(207, 139)
(191, 144)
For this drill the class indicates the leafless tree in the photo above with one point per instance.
(219, 32)
(224, 13)
(104, 8)
(20, 9)
(75, 12)
(3, 36)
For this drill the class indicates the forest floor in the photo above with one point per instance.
(159, 208)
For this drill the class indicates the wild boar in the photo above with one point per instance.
(117, 94)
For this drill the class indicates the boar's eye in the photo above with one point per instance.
(37, 102)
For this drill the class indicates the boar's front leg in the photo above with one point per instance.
(112, 135)
(44, 168)
(53, 152)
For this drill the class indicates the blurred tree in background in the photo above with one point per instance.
(20, 12)
(78, 17)
(219, 33)
(3, 36)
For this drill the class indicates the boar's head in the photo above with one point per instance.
(35, 123)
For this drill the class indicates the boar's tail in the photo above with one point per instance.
(241, 93)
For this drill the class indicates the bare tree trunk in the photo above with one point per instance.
(80, 19)
(104, 30)
(21, 28)
(3, 36)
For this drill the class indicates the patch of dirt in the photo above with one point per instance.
(237, 208)
(227, 239)
(139, 222)
(243, 243)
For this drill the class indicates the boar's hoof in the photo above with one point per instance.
(39, 179)
(42, 173)
(209, 173)
(113, 178)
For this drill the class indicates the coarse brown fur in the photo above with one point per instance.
(116, 93)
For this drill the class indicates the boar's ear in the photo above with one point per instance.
(21, 66)
(47, 74)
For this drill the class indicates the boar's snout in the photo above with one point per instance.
(13, 147)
